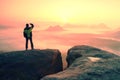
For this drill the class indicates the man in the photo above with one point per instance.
(28, 35)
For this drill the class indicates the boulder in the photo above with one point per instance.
(86, 51)
(89, 63)
(29, 65)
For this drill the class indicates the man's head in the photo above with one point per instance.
(27, 25)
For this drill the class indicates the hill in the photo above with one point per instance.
(56, 28)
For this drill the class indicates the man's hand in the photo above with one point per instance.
(31, 25)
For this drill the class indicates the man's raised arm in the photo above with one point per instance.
(32, 25)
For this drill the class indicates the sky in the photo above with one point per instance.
(42, 12)
(60, 23)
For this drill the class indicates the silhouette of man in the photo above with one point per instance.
(28, 35)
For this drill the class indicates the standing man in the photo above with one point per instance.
(28, 35)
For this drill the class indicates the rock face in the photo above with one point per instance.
(29, 65)
(89, 63)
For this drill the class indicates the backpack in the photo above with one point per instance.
(24, 34)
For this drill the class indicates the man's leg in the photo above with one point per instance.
(26, 43)
(32, 46)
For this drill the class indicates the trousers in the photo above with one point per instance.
(31, 42)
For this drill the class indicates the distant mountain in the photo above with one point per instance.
(88, 28)
(101, 26)
(2, 27)
(55, 28)
(113, 34)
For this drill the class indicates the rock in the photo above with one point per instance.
(29, 65)
(86, 51)
(89, 63)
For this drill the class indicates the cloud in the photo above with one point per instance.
(71, 39)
